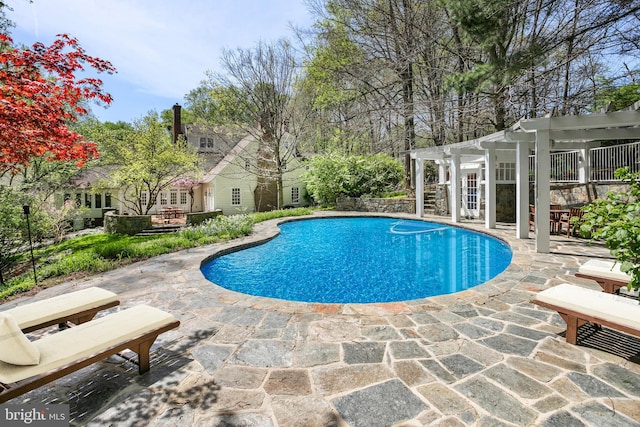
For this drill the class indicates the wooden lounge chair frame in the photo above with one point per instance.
(80, 315)
(574, 319)
(141, 345)
(609, 285)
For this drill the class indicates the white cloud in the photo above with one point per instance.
(159, 47)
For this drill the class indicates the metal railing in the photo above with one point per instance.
(564, 166)
(605, 161)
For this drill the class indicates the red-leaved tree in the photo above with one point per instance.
(40, 95)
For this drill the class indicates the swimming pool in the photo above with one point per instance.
(361, 260)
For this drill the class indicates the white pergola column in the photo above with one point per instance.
(522, 190)
(543, 161)
(584, 163)
(442, 173)
(455, 187)
(419, 187)
(490, 188)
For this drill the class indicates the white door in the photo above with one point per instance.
(470, 206)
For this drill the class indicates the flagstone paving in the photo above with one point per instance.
(485, 356)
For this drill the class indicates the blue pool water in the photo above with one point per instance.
(361, 260)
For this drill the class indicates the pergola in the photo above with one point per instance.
(542, 135)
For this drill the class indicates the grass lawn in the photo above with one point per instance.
(95, 253)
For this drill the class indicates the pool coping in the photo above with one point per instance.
(268, 230)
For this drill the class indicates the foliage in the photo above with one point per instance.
(189, 183)
(97, 253)
(12, 220)
(147, 162)
(217, 104)
(228, 226)
(616, 98)
(265, 216)
(39, 96)
(60, 220)
(616, 220)
(333, 176)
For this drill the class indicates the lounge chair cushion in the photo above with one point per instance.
(604, 270)
(617, 309)
(86, 339)
(39, 312)
(15, 348)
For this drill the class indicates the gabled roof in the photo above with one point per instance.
(228, 159)
(89, 176)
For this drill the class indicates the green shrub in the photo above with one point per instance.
(333, 176)
(265, 216)
(234, 225)
(616, 220)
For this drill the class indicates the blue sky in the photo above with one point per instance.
(160, 48)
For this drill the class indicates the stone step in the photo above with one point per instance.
(160, 229)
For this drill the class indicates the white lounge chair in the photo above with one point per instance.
(75, 307)
(577, 306)
(33, 364)
(606, 273)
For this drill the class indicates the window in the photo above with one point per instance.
(235, 196)
(143, 198)
(247, 165)
(98, 201)
(107, 200)
(207, 143)
(78, 199)
(295, 195)
(163, 198)
(67, 197)
(183, 197)
(173, 198)
(87, 200)
(506, 172)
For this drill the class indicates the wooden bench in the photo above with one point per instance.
(577, 306)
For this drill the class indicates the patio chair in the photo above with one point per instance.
(566, 220)
(27, 365)
(75, 307)
(577, 306)
(606, 273)
(532, 219)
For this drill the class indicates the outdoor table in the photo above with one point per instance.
(168, 213)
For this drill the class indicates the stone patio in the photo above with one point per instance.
(484, 357)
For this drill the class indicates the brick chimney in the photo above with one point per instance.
(176, 128)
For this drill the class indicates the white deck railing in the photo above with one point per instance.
(564, 166)
(604, 162)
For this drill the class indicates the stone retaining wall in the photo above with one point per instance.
(357, 204)
(126, 224)
(196, 218)
(565, 195)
